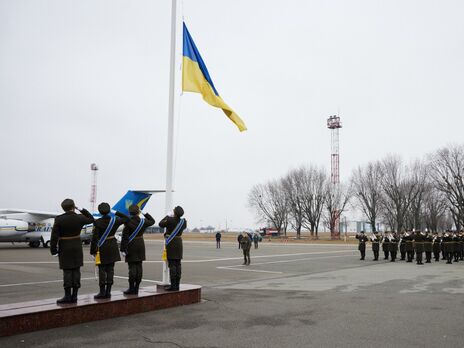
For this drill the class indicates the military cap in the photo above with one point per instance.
(178, 211)
(134, 209)
(104, 208)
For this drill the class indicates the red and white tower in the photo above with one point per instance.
(93, 187)
(334, 124)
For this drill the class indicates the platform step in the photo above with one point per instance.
(16, 318)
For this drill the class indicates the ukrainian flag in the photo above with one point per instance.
(195, 78)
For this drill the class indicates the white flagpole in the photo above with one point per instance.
(172, 104)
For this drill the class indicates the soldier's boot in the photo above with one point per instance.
(172, 287)
(74, 295)
(131, 290)
(177, 283)
(136, 288)
(108, 291)
(67, 298)
(248, 261)
(101, 294)
(245, 261)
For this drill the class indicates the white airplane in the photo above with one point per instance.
(35, 227)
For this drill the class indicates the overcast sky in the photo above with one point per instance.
(87, 81)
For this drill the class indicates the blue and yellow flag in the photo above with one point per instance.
(195, 78)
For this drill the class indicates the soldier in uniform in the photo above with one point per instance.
(133, 247)
(375, 240)
(436, 246)
(461, 245)
(218, 240)
(239, 239)
(447, 247)
(104, 242)
(409, 246)
(174, 248)
(402, 244)
(362, 244)
(245, 244)
(385, 246)
(65, 242)
(456, 247)
(419, 246)
(428, 241)
(393, 246)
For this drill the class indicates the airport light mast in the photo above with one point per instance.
(334, 124)
(93, 187)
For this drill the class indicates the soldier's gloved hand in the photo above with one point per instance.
(55, 255)
(123, 253)
(93, 256)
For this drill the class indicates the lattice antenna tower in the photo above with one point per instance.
(334, 124)
(93, 186)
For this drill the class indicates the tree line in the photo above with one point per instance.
(425, 193)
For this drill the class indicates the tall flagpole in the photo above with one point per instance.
(170, 145)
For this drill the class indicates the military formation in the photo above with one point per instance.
(413, 245)
(65, 243)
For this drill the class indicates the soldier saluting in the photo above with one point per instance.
(385, 246)
(428, 247)
(419, 246)
(393, 247)
(375, 240)
(174, 225)
(104, 243)
(362, 244)
(65, 242)
(133, 246)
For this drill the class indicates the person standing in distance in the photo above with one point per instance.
(362, 244)
(245, 244)
(104, 242)
(218, 240)
(174, 225)
(133, 246)
(65, 242)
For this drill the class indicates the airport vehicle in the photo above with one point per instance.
(35, 227)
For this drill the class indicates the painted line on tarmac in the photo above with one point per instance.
(194, 261)
(293, 260)
(35, 283)
(271, 256)
(265, 244)
(247, 270)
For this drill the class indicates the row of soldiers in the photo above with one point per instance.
(65, 243)
(414, 243)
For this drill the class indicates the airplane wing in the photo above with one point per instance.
(36, 213)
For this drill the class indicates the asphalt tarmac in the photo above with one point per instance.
(292, 295)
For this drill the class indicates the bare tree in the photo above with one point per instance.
(314, 195)
(417, 177)
(367, 189)
(434, 208)
(293, 186)
(447, 171)
(336, 199)
(269, 203)
(399, 189)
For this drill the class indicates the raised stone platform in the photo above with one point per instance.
(23, 317)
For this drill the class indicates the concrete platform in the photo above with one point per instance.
(24, 317)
